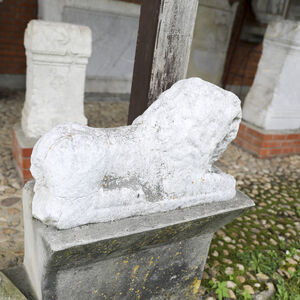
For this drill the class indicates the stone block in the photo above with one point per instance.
(57, 55)
(155, 256)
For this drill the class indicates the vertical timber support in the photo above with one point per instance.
(163, 49)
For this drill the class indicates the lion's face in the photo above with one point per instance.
(192, 115)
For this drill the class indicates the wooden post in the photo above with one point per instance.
(163, 48)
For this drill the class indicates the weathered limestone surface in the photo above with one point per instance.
(211, 39)
(273, 100)
(163, 161)
(57, 54)
(144, 257)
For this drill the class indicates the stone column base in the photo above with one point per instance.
(22, 149)
(157, 256)
(267, 143)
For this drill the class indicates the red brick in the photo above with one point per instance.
(14, 16)
(255, 133)
(286, 144)
(257, 142)
(267, 137)
(278, 137)
(293, 137)
(296, 143)
(264, 152)
(242, 135)
(26, 152)
(26, 163)
(288, 150)
(271, 144)
(242, 127)
(276, 151)
(249, 138)
(26, 174)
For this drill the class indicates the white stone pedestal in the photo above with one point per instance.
(57, 55)
(273, 102)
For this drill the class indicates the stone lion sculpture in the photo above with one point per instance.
(163, 161)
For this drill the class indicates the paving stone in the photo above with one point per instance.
(240, 267)
(10, 201)
(229, 271)
(241, 279)
(231, 294)
(249, 288)
(227, 261)
(262, 277)
(225, 252)
(230, 284)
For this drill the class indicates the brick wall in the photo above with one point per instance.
(267, 145)
(14, 16)
(244, 64)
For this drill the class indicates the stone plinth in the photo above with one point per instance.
(267, 143)
(153, 256)
(22, 149)
(57, 55)
(273, 100)
(272, 108)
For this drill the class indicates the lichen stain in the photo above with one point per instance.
(151, 261)
(146, 276)
(196, 285)
(135, 269)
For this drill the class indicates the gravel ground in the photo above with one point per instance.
(256, 256)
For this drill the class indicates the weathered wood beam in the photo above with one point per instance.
(163, 49)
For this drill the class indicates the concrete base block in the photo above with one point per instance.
(22, 149)
(159, 256)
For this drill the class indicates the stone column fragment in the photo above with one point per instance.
(273, 102)
(57, 55)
